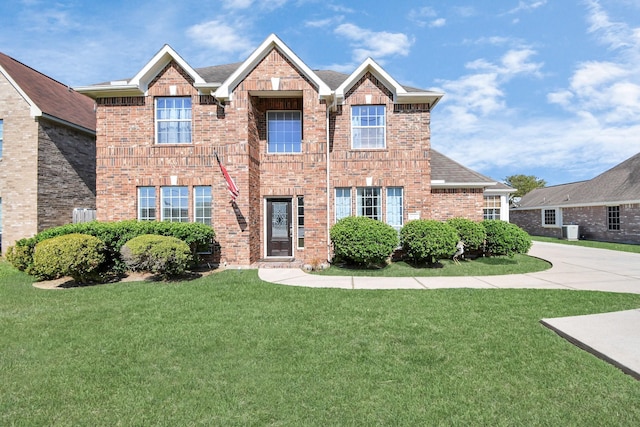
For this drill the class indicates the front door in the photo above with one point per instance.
(279, 241)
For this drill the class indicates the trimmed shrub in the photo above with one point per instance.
(114, 235)
(472, 233)
(165, 256)
(504, 238)
(427, 240)
(76, 255)
(363, 241)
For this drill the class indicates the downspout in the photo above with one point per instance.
(329, 107)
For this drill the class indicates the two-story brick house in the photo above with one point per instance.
(47, 152)
(304, 147)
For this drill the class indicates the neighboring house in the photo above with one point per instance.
(303, 147)
(605, 208)
(47, 152)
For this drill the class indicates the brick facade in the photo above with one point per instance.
(128, 156)
(592, 222)
(47, 169)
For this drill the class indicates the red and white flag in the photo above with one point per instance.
(231, 185)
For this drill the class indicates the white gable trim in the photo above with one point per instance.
(34, 110)
(225, 90)
(157, 63)
(400, 94)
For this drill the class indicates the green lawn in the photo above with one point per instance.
(229, 349)
(517, 264)
(591, 244)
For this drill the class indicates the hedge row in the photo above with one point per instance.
(114, 235)
(364, 241)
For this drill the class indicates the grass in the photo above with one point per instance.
(229, 349)
(624, 247)
(517, 264)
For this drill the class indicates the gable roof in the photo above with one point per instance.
(447, 173)
(220, 80)
(618, 185)
(271, 42)
(48, 97)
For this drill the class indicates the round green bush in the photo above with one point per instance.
(76, 255)
(426, 240)
(472, 233)
(363, 241)
(165, 256)
(504, 238)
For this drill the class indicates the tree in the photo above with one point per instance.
(523, 184)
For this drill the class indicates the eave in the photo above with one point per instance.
(445, 184)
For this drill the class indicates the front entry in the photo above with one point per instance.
(279, 230)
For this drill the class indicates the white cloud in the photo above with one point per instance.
(426, 16)
(377, 45)
(440, 22)
(221, 36)
(524, 6)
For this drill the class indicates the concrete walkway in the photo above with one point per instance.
(614, 337)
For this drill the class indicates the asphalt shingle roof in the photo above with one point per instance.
(619, 184)
(50, 96)
(445, 169)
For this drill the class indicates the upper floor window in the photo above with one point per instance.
(368, 125)
(1, 135)
(613, 217)
(175, 204)
(284, 131)
(173, 120)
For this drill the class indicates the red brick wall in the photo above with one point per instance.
(449, 203)
(127, 156)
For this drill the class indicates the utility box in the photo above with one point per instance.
(570, 232)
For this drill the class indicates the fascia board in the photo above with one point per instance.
(375, 69)
(109, 90)
(430, 98)
(157, 63)
(224, 91)
(34, 110)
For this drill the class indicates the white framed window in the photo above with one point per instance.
(146, 203)
(173, 120)
(300, 229)
(395, 207)
(175, 204)
(613, 218)
(284, 131)
(368, 126)
(551, 217)
(491, 209)
(369, 202)
(202, 204)
(343, 203)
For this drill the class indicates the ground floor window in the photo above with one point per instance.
(174, 204)
(300, 230)
(202, 204)
(491, 209)
(613, 218)
(394, 207)
(343, 203)
(146, 203)
(369, 202)
(550, 217)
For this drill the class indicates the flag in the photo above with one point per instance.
(231, 185)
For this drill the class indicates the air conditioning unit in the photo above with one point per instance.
(570, 232)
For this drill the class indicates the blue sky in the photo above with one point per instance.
(549, 88)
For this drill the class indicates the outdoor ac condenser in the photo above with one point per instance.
(570, 232)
